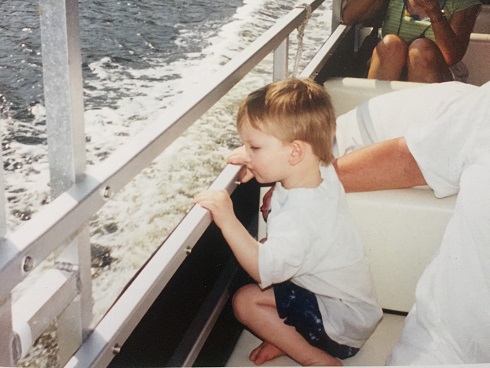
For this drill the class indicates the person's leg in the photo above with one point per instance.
(426, 63)
(256, 309)
(389, 58)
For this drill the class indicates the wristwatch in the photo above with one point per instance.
(438, 17)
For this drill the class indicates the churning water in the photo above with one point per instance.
(139, 58)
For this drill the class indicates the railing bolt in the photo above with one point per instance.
(106, 192)
(116, 349)
(28, 264)
(188, 250)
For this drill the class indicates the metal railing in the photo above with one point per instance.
(64, 293)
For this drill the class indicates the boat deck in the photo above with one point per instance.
(373, 353)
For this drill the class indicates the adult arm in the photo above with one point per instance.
(452, 35)
(355, 11)
(384, 165)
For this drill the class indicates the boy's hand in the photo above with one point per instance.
(244, 246)
(239, 157)
(219, 203)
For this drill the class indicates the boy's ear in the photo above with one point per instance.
(297, 152)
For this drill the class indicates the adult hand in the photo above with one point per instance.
(427, 5)
(239, 157)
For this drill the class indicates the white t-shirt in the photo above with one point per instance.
(313, 242)
(389, 115)
(450, 323)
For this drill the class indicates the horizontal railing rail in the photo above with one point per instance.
(37, 239)
(61, 221)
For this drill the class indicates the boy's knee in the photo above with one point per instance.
(241, 302)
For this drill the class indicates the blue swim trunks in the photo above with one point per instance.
(300, 309)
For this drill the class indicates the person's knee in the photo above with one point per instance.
(423, 52)
(388, 58)
(242, 301)
(391, 45)
(426, 62)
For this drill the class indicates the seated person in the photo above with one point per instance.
(422, 40)
(442, 141)
(314, 298)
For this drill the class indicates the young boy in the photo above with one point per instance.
(315, 300)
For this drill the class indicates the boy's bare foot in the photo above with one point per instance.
(267, 351)
(335, 362)
(264, 352)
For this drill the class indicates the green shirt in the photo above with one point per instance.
(398, 22)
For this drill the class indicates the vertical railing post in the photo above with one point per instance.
(279, 71)
(6, 334)
(280, 67)
(63, 93)
(336, 13)
(3, 204)
(7, 346)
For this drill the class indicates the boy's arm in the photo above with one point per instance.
(244, 246)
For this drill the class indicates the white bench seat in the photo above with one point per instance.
(373, 353)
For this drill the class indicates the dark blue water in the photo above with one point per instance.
(132, 33)
(138, 58)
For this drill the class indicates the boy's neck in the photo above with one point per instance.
(305, 175)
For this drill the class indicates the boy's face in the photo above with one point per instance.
(267, 156)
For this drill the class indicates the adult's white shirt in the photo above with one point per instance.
(447, 129)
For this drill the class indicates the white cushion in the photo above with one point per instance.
(400, 228)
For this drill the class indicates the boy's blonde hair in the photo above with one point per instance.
(292, 109)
